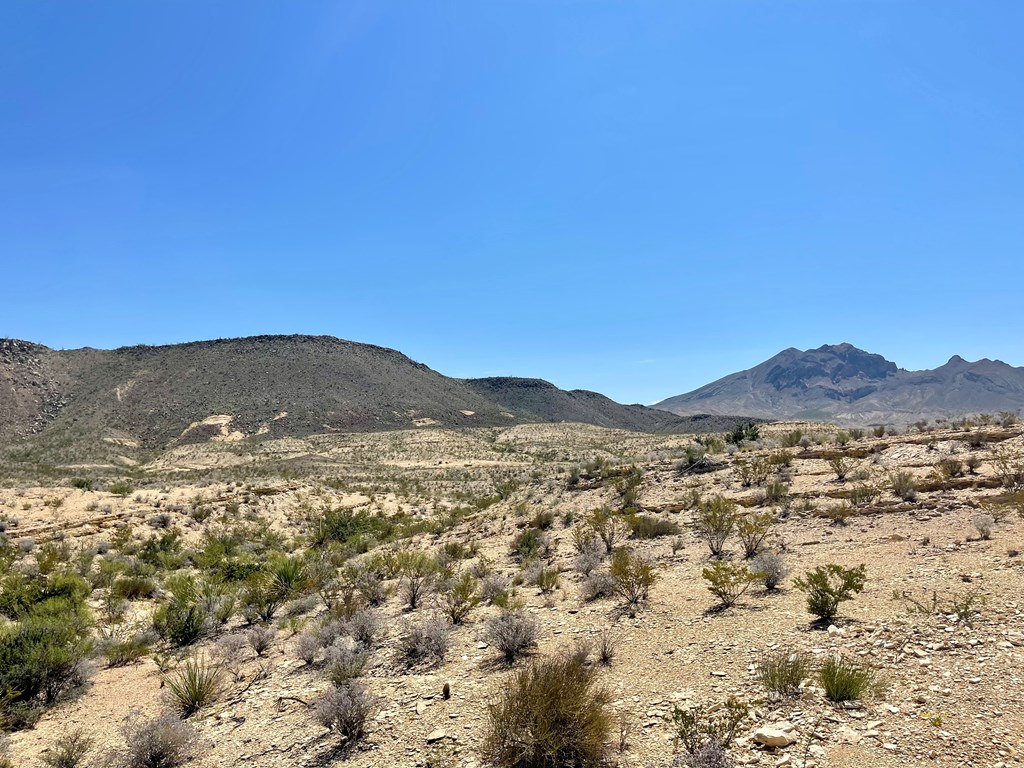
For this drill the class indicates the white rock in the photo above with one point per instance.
(780, 734)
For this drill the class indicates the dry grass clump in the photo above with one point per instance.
(552, 713)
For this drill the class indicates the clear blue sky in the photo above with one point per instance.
(633, 197)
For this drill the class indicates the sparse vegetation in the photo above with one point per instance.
(844, 679)
(552, 713)
(827, 586)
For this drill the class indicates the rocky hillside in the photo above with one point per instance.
(274, 386)
(845, 384)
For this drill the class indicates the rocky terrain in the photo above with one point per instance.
(840, 383)
(934, 515)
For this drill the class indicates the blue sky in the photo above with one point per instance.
(632, 197)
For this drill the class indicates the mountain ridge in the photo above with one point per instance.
(843, 383)
(156, 396)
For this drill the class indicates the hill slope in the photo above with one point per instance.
(277, 386)
(845, 384)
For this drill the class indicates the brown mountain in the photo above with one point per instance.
(273, 386)
(848, 385)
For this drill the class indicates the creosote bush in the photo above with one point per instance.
(714, 521)
(728, 581)
(698, 726)
(69, 751)
(829, 585)
(632, 576)
(752, 529)
(552, 713)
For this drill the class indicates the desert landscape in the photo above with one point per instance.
(385, 563)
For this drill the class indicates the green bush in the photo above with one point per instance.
(714, 521)
(903, 485)
(182, 618)
(121, 488)
(69, 751)
(829, 585)
(845, 680)
(632, 576)
(649, 527)
(698, 726)
(552, 713)
(459, 597)
(42, 655)
(752, 528)
(728, 581)
(782, 672)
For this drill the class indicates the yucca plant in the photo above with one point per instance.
(194, 685)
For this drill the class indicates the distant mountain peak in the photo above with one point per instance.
(841, 382)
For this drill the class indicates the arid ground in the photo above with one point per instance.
(948, 655)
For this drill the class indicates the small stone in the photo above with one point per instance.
(435, 736)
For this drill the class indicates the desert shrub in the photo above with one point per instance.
(346, 710)
(845, 680)
(837, 514)
(791, 439)
(728, 581)
(69, 751)
(182, 618)
(984, 524)
(841, 466)
(752, 529)
(772, 568)
(345, 660)
(697, 726)
(649, 527)
(743, 433)
(364, 627)
(418, 571)
(607, 647)
(754, 471)
(133, 587)
(122, 488)
(597, 585)
(354, 529)
(829, 585)
(782, 672)
(425, 641)
(513, 633)
(42, 656)
(973, 463)
(531, 543)
(949, 467)
(194, 685)
(586, 562)
(120, 652)
(494, 587)
(878, 431)
(163, 742)
(608, 527)
(714, 521)
(903, 485)
(552, 713)
(862, 494)
(260, 639)
(307, 646)
(633, 577)
(1009, 469)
